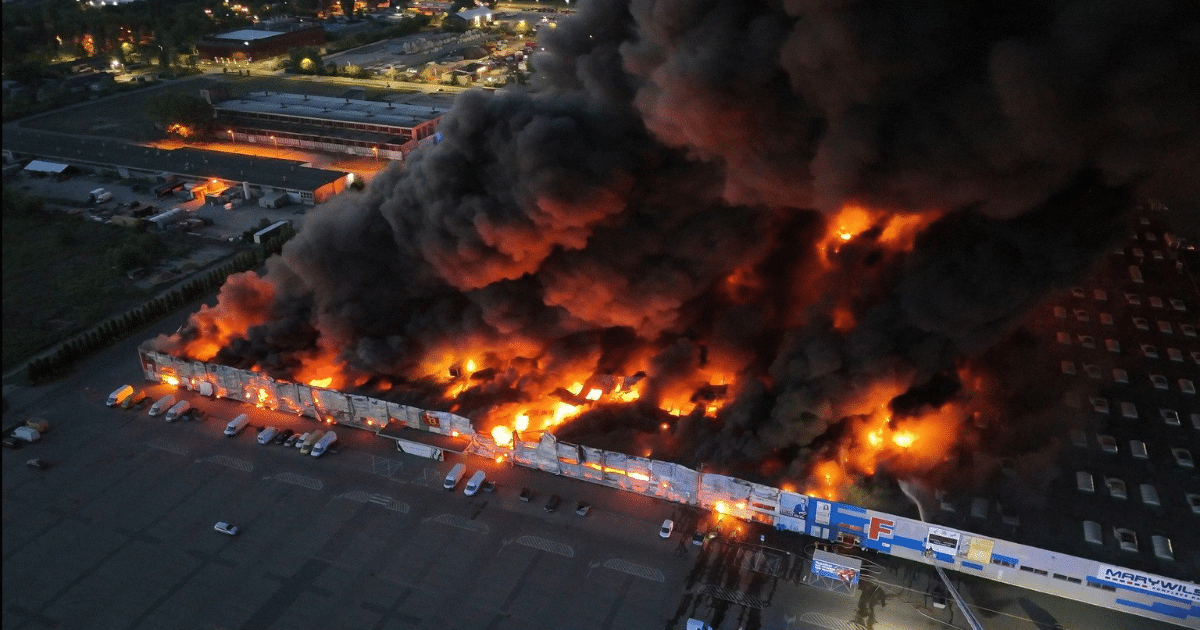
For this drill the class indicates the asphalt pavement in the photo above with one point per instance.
(118, 533)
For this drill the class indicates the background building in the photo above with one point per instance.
(322, 123)
(270, 40)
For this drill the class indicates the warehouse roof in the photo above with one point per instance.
(258, 171)
(332, 109)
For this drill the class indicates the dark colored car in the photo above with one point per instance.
(489, 486)
(553, 502)
(292, 440)
(284, 435)
(582, 508)
(698, 539)
(194, 414)
(39, 464)
(526, 494)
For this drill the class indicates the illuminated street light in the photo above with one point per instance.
(231, 138)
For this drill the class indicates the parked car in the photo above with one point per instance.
(284, 435)
(291, 441)
(698, 539)
(489, 486)
(39, 464)
(667, 528)
(300, 440)
(226, 528)
(195, 414)
(582, 508)
(553, 502)
(526, 494)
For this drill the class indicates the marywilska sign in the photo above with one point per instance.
(1153, 583)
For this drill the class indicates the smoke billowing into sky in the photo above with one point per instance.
(777, 237)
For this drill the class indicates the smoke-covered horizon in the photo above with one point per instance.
(674, 199)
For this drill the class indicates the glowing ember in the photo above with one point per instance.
(171, 380)
(502, 435)
(575, 388)
(719, 506)
(594, 394)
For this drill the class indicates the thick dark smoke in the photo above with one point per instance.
(664, 192)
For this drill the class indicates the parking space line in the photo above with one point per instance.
(736, 597)
(231, 462)
(170, 447)
(383, 500)
(382, 466)
(300, 480)
(546, 545)
(461, 523)
(637, 570)
(832, 623)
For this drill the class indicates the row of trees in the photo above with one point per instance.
(104, 335)
(44, 31)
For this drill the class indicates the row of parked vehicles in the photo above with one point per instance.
(315, 443)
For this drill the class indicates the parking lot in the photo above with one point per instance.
(72, 194)
(119, 533)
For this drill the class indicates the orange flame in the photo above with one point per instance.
(594, 394)
(321, 382)
(502, 435)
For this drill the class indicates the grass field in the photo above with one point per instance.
(58, 278)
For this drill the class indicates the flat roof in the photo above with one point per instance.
(331, 108)
(247, 34)
(258, 171)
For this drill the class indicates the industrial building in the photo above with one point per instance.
(345, 125)
(269, 39)
(208, 169)
(1120, 532)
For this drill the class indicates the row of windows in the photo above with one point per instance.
(1141, 323)
(1133, 299)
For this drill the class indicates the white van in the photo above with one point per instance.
(120, 395)
(236, 425)
(454, 476)
(323, 444)
(266, 435)
(474, 483)
(176, 412)
(162, 404)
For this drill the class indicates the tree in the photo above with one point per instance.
(180, 109)
(347, 7)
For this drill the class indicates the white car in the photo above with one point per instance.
(668, 526)
(226, 528)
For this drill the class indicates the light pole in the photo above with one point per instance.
(231, 138)
(276, 141)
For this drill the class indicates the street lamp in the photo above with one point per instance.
(276, 141)
(231, 138)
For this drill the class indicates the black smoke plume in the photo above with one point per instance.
(665, 189)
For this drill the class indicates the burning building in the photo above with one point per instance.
(790, 242)
(745, 235)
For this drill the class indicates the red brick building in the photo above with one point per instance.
(256, 44)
